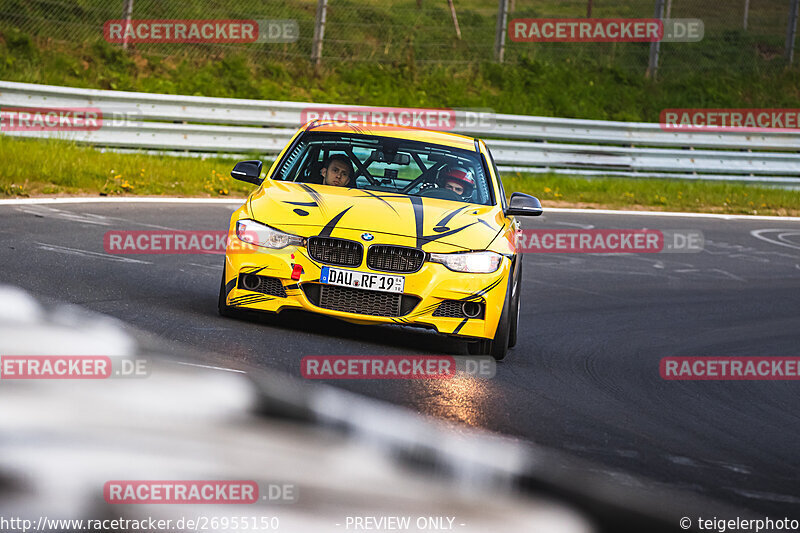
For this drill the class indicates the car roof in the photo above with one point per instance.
(398, 132)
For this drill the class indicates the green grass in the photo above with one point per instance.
(656, 194)
(53, 167)
(64, 168)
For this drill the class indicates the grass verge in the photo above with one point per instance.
(58, 168)
(656, 194)
(54, 167)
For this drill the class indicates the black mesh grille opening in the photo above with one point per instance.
(408, 303)
(332, 251)
(360, 301)
(262, 284)
(389, 258)
(312, 292)
(454, 309)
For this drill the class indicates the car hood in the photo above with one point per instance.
(307, 210)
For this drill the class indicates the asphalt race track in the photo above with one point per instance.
(584, 377)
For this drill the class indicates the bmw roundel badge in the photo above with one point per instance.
(367, 236)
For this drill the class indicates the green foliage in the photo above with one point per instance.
(579, 85)
(65, 168)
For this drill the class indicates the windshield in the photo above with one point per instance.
(388, 165)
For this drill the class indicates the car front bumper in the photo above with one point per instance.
(424, 290)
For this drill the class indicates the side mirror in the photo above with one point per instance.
(249, 171)
(523, 205)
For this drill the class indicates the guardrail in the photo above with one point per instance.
(201, 125)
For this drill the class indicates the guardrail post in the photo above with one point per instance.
(127, 13)
(655, 47)
(319, 32)
(455, 18)
(746, 14)
(500, 34)
(791, 31)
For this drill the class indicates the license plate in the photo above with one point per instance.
(362, 280)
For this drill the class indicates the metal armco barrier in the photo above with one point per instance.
(201, 125)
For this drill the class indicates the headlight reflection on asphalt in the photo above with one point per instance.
(456, 398)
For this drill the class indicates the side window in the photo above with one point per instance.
(483, 192)
(503, 201)
(293, 162)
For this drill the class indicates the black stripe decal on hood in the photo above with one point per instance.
(328, 229)
(317, 197)
(487, 224)
(429, 238)
(443, 223)
(304, 204)
(416, 203)
(372, 194)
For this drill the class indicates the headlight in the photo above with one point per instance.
(476, 262)
(253, 232)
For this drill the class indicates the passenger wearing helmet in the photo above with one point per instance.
(457, 179)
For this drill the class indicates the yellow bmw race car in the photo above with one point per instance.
(380, 225)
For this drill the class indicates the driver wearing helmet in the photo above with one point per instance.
(457, 179)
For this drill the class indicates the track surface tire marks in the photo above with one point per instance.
(584, 377)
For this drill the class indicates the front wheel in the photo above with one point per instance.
(222, 305)
(498, 346)
(515, 305)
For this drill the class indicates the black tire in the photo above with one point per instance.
(512, 334)
(498, 346)
(222, 306)
(478, 347)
